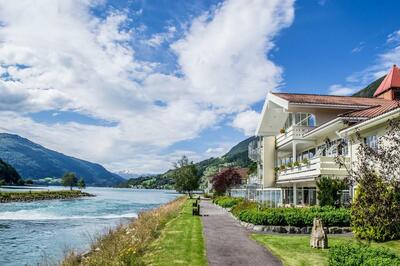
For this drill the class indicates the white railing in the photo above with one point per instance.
(316, 166)
(294, 132)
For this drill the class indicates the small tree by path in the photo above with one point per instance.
(69, 180)
(225, 180)
(329, 191)
(376, 207)
(185, 176)
(81, 183)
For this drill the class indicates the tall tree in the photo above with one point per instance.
(69, 180)
(225, 180)
(376, 207)
(185, 176)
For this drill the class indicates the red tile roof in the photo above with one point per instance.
(330, 99)
(373, 111)
(392, 80)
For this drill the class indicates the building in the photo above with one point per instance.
(299, 135)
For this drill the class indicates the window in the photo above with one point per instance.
(371, 141)
(396, 94)
(300, 119)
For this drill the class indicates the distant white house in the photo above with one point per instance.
(298, 136)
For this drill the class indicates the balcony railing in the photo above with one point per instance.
(316, 166)
(294, 132)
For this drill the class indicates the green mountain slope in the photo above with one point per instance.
(33, 161)
(370, 89)
(236, 156)
(8, 175)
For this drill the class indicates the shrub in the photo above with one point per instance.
(352, 255)
(248, 212)
(329, 191)
(227, 202)
(376, 215)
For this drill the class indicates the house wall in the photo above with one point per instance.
(268, 161)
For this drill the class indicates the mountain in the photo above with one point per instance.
(128, 174)
(33, 161)
(8, 175)
(236, 156)
(370, 89)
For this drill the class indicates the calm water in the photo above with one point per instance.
(31, 231)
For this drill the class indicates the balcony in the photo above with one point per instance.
(255, 149)
(294, 132)
(307, 172)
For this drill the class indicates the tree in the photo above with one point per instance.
(8, 174)
(81, 183)
(185, 176)
(330, 191)
(375, 212)
(225, 180)
(69, 180)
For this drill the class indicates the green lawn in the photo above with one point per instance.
(295, 250)
(181, 242)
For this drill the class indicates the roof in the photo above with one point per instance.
(392, 80)
(373, 111)
(298, 98)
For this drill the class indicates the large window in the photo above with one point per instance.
(333, 148)
(371, 141)
(300, 119)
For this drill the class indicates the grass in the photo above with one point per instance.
(41, 195)
(295, 250)
(168, 235)
(181, 242)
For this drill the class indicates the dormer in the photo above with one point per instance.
(389, 89)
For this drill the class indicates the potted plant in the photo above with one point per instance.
(305, 161)
(282, 131)
(282, 167)
(296, 164)
(290, 165)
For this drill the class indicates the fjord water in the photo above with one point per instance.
(32, 231)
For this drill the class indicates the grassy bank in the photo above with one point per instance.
(181, 242)
(295, 250)
(41, 195)
(156, 237)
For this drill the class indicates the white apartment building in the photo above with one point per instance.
(299, 135)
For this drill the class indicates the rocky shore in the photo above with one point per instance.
(28, 196)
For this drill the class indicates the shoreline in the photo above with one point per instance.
(30, 196)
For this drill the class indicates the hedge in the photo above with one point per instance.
(351, 255)
(227, 202)
(248, 212)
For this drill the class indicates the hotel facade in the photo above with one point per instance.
(299, 136)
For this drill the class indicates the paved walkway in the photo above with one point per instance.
(228, 243)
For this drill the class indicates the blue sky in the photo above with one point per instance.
(134, 85)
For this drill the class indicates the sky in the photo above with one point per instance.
(136, 84)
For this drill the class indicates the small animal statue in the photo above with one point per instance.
(319, 239)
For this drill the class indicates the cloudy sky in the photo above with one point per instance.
(135, 84)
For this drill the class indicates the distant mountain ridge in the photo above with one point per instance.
(33, 161)
(236, 156)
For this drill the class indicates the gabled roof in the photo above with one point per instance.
(297, 98)
(392, 80)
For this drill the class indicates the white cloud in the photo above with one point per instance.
(338, 89)
(55, 55)
(247, 122)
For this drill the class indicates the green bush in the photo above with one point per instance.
(351, 255)
(376, 210)
(249, 212)
(227, 202)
